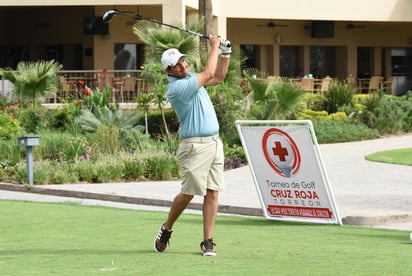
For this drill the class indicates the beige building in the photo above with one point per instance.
(359, 38)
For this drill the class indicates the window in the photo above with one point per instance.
(323, 60)
(128, 56)
(401, 61)
(251, 53)
(289, 62)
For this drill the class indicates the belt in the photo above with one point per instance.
(201, 140)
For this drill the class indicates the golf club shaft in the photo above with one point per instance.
(107, 17)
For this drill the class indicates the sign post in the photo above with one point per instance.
(288, 171)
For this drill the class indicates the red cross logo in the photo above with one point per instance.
(281, 152)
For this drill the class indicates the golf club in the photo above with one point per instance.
(108, 16)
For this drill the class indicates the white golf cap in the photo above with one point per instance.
(170, 57)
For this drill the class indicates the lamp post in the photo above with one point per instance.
(29, 142)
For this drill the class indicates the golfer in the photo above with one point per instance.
(200, 151)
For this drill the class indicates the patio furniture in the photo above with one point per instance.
(375, 83)
(387, 85)
(130, 89)
(117, 89)
(324, 85)
(307, 84)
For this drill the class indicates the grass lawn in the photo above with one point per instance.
(398, 156)
(71, 239)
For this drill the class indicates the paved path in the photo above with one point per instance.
(366, 193)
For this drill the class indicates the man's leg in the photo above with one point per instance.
(179, 204)
(210, 206)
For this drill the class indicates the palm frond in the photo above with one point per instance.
(87, 120)
(34, 79)
(160, 38)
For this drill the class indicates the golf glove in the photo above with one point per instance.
(225, 47)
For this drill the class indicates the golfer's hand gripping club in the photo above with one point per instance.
(225, 47)
(223, 42)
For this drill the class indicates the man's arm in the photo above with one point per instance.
(220, 72)
(211, 68)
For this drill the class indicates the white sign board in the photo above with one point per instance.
(288, 171)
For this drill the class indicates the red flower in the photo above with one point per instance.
(81, 82)
(105, 72)
(86, 92)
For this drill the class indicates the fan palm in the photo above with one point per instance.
(276, 99)
(34, 79)
(158, 39)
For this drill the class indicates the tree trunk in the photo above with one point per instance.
(205, 12)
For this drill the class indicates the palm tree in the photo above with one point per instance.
(273, 99)
(159, 38)
(33, 80)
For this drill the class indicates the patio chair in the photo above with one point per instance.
(375, 83)
(307, 84)
(117, 89)
(387, 85)
(324, 86)
(141, 86)
(129, 89)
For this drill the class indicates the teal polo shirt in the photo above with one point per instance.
(193, 107)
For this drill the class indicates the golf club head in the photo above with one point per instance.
(108, 16)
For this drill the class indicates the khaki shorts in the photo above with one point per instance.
(202, 160)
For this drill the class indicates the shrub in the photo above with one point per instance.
(338, 94)
(387, 114)
(20, 174)
(86, 171)
(330, 131)
(338, 116)
(35, 118)
(107, 139)
(61, 146)
(41, 176)
(234, 157)
(9, 127)
(309, 114)
(62, 118)
(62, 176)
(10, 152)
(134, 168)
(109, 171)
(155, 124)
(2, 174)
(315, 101)
(133, 140)
(162, 167)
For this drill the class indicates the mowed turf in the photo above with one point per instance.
(71, 239)
(397, 156)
